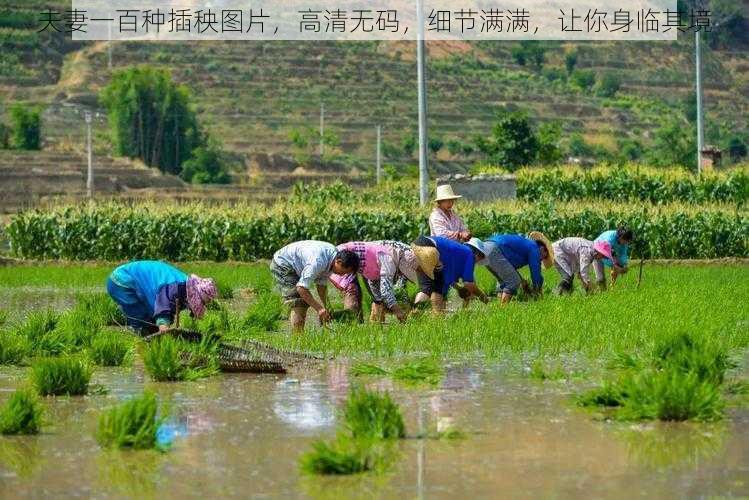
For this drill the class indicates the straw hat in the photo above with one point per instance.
(428, 258)
(539, 236)
(477, 244)
(445, 192)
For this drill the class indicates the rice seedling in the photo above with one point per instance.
(225, 290)
(540, 371)
(170, 359)
(110, 348)
(689, 354)
(132, 424)
(75, 330)
(37, 329)
(265, 313)
(215, 322)
(363, 369)
(13, 348)
(61, 376)
(368, 414)
(422, 371)
(21, 414)
(345, 455)
(100, 308)
(3, 317)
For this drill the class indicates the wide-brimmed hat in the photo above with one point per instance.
(200, 291)
(478, 245)
(603, 247)
(407, 265)
(428, 259)
(539, 236)
(445, 192)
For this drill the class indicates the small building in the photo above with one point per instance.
(711, 157)
(482, 187)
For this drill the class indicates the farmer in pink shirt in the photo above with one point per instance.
(443, 221)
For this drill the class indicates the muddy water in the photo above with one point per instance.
(241, 435)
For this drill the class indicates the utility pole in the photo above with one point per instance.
(322, 130)
(109, 48)
(90, 176)
(379, 153)
(698, 67)
(421, 70)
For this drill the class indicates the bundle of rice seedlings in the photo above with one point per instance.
(13, 348)
(110, 348)
(345, 455)
(21, 414)
(265, 313)
(168, 359)
(61, 376)
(132, 424)
(368, 414)
(100, 308)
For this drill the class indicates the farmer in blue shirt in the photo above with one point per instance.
(152, 293)
(442, 264)
(619, 239)
(504, 254)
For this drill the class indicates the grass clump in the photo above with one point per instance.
(682, 379)
(21, 414)
(363, 369)
(13, 348)
(540, 371)
(132, 424)
(168, 359)
(371, 422)
(61, 376)
(110, 348)
(421, 371)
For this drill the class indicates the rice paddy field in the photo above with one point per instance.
(638, 391)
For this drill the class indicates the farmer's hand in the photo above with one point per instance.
(465, 235)
(324, 315)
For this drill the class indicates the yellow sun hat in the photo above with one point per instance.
(539, 236)
(428, 259)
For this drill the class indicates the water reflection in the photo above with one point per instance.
(130, 473)
(664, 445)
(305, 405)
(19, 456)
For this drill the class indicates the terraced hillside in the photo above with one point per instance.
(254, 96)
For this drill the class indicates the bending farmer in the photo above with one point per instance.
(442, 263)
(619, 241)
(152, 293)
(575, 256)
(298, 266)
(382, 264)
(504, 254)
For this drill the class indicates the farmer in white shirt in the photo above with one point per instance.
(300, 265)
(575, 256)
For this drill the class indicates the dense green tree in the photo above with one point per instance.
(26, 127)
(737, 149)
(151, 118)
(207, 166)
(513, 142)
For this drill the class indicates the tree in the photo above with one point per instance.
(207, 166)
(737, 149)
(26, 127)
(549, 135)
(409, 144)
(584, 79)
(151, 118)
(435, 144)
(608, 85)
(673, 145)
(570, 61)
(513, 142)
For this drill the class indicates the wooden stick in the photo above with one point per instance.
(639, 276)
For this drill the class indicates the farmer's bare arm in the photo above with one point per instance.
(474, 290)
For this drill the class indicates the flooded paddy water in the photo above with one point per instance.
(240, 435)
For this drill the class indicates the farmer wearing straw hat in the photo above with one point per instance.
(382, 263)
(504, 254)
(575, 256)
(152, 293)
(443, 221)
(300, 265)
(619, 239)
(442, 263)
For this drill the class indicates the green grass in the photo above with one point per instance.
(110, 348)
(21, 414)
(132, 424)
(13, 348)
(168, 359)
(61, 376)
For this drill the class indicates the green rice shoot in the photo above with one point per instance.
(131, 424)
(21, 414)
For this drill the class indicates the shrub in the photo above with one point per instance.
(570, 61)
(132, 424)
(370, 415)
(4, 136)
(737, 149)
(608, 85)
(26, 127)
(584, 79)
(60, 376)
(110, 348)
(207, 166)
(21, 414)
